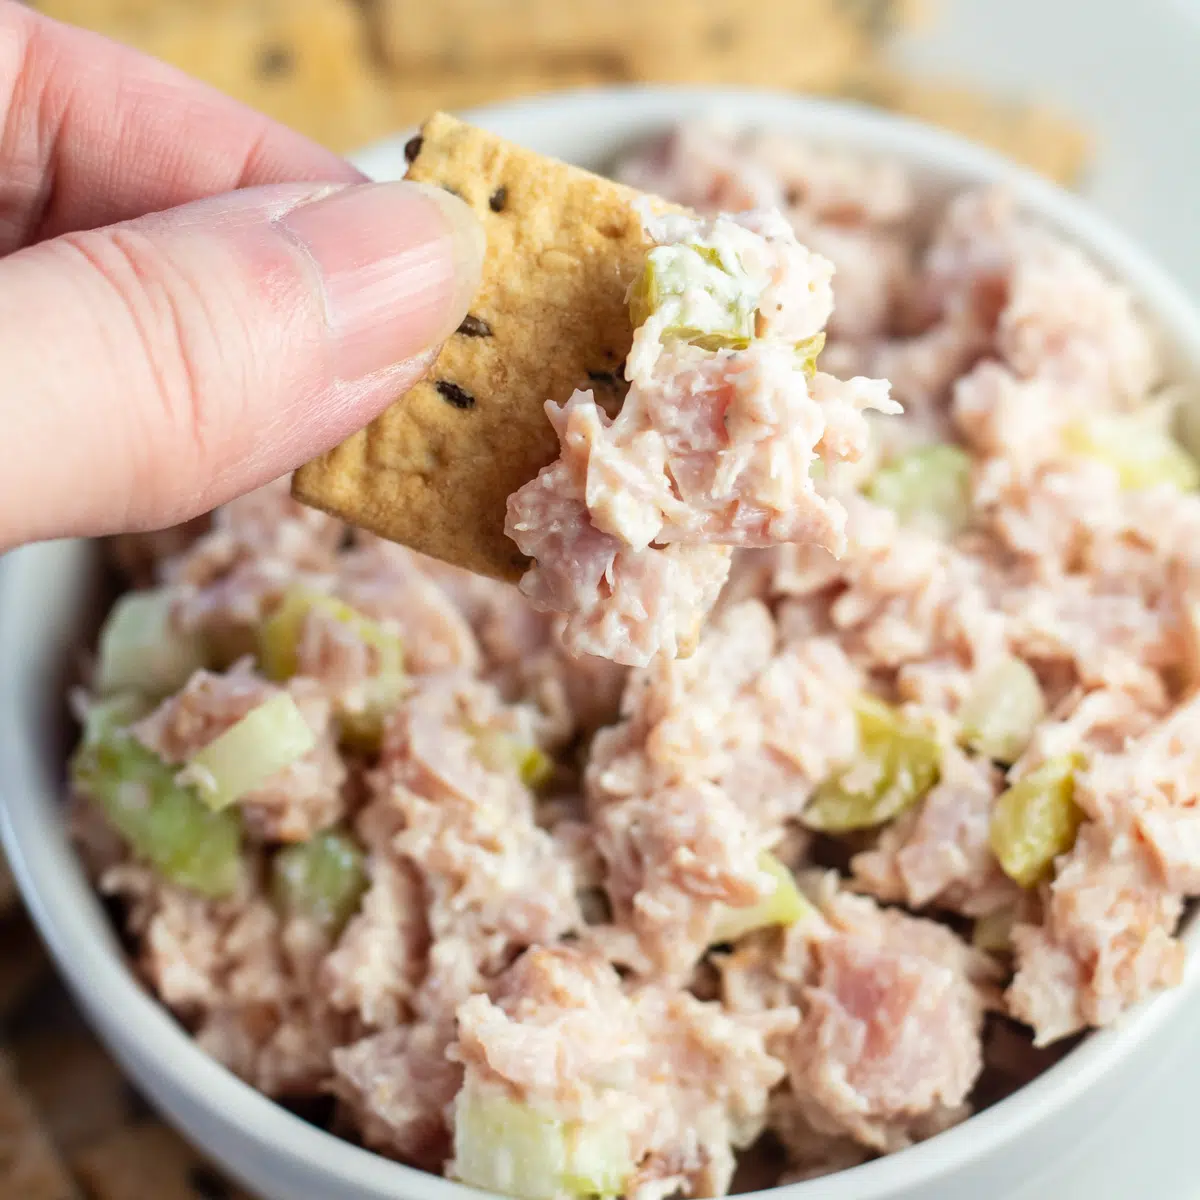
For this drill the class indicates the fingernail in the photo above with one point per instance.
(399, 264)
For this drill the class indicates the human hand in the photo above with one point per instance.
(168, 342)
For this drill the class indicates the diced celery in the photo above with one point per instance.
(111, 713)
(898, 763)
(322, 879)
(163, 821)
(265, 741)
(501, 1145)
(141, 650)
(993, 931)
(1036, 820)
(784, 906)
(504, 752)
(928, 488)
(719, 341)
(279, 636)
(693, 291)
(1141, 452)
(1000, 715)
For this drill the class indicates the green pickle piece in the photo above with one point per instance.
(265, 741)
(993, 931)
(504, 1146)
(1000, 715)
(1142, 454)
(898, 763)
(928, 488)
(1035, 820)
(502, 752)
(809, 350)
(278, 646)
(279, 635)
(784, 906)
(163, 821)
(672, 274)
(322, 879)
(141, 651)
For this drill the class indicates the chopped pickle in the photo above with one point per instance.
(112, 713)
(501, 1145)
(265, 741)
(897, 764)
(163, 821)
(1000, 715)
(928, 488)
(279, 636)
(1036, 820)
(322, 879)
(993, 931)
(784, 906)
(140, 650)
(1141, 452)
(808, 350)
(504, 752)
(693, 293)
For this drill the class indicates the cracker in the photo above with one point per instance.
(436, 469)
(150, 1162)
(9, 896)
(655, 40)
(1031, 134)
(306, 63)
(23, 963)
(79, 1092)
(29, 1164)
(416, 94)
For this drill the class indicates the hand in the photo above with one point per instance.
(194, 300)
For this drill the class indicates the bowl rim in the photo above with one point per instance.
(98, 973)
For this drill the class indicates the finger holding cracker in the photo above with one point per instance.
(716, 325)
(435, 471)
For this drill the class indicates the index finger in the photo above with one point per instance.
(92, 133)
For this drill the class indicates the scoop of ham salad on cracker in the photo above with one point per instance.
(671, 361)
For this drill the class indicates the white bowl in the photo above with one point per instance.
(48, 609)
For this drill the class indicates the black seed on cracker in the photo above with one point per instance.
(413, 147)
(498, 199)
(473, 326)
(274, 61)
(207, 1184)
(453, 394)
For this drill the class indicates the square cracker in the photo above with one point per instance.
(148, 1161)
(29, 1164)
(436, 469)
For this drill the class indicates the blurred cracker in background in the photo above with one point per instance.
(347, 72)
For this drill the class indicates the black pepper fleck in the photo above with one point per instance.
(473, 326)
(207, 1184)
(453, 394)
(498, 199)
(274, 61)
(413, 147)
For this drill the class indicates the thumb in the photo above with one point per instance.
(156, 368)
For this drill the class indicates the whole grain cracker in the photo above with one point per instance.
(150, 1162)
(1035, 135)
(23, 962)
(30, 1168)
(436, 469)
(306, 63)
(656, 40)
(78, 1090)
(413, 95)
